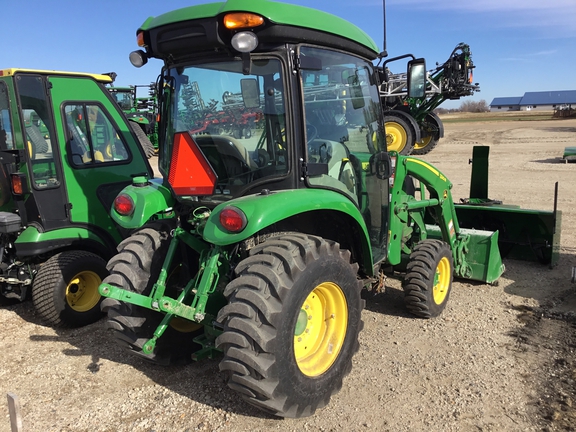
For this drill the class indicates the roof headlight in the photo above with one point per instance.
(244, 42)
(138, 58)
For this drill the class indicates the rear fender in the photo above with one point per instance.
(150, 198)
(264, 211)
(32, 242)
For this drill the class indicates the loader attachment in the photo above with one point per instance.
(524, 234)
(528, 235)
(478, 252)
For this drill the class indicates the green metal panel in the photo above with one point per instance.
(149, 199)
(264, 210)
(479, 180)
(279, 13)
(529, 235)
(32, 235)
(569, 153)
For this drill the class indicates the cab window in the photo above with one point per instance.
(91, 136)
(39, 139)
(341, 106)
(6, 141)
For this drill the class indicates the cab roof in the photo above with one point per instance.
(276, 12)
(13, 71)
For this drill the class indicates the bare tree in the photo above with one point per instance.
(474, 106)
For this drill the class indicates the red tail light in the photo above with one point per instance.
(233, 219)
(124, 205)
(19, 184)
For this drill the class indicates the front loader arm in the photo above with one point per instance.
(407, 212)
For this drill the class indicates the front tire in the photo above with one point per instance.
(65, 290)
(136, 268)
(428, 279)
(292, 323)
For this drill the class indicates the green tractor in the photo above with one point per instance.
(412, 127)
(258, 246)
(66, 152)
(140, 111)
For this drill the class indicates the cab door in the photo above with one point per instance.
(47, 202)
(99, 153)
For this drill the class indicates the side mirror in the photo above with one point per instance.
(416, 78)
(250, 92)
(381, 165)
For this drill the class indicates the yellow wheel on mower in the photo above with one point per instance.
(82, 291)
(320, 329)
(65, 289)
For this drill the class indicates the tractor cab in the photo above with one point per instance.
(267, 112)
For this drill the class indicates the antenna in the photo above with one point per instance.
(384, 53)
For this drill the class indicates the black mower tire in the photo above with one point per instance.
(428, 280)
(292, 295)
(136, 268)
(143, 140)
(65, 290)
(401, 134)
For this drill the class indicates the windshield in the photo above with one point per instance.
(237, 120)
(124, 98)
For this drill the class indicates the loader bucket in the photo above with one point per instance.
(528, 235)
(481, 254)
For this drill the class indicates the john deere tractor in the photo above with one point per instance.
(258, 246)
(66, 151)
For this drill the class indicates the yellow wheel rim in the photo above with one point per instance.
(183, 325)
(441, 281)
(423, 143)
(396, 137)
(320, 329)
(82, 291)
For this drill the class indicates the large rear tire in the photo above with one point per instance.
(136, 268)
(400, 133)
(291, 326)
(65, 290)
(428, 279)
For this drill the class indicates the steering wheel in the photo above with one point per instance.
(311, 133)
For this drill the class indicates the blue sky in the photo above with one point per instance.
(517, 45)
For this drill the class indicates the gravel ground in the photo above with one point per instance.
(499, 358)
